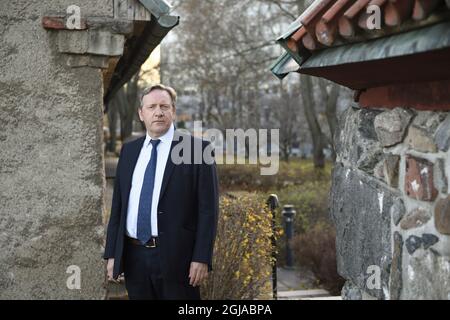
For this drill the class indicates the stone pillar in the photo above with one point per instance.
(51, 160)
(390, 202)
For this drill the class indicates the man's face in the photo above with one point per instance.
(157, 112)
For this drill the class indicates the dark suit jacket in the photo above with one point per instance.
(187, 211)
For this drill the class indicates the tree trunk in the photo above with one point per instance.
(311, 118)
(127, 103)
(125, 119)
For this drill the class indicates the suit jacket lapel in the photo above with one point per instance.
(169, 164)
(135, 150)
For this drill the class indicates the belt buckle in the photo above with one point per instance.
(152, 244)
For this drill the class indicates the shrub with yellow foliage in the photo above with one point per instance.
(243, 249)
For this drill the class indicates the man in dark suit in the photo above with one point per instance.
(164, 213)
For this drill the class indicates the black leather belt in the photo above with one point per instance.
(152, 243)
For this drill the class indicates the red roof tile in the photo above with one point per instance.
(333, 22)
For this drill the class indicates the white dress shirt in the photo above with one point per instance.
(138, 179)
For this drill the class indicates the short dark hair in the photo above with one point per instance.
(171, 91)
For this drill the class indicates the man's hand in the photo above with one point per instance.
(109, 269)
(197, 273)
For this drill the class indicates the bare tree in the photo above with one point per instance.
(124, 106)
(327, 92)
(220, 51)
(223, 49)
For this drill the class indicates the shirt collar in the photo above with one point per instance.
(165, 138)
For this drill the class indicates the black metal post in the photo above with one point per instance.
(272, 203)
(288, 215)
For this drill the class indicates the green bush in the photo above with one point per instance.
(299, 184)
(248, 177)
(310, 200)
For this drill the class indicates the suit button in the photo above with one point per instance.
(160, 212)
(161, 233)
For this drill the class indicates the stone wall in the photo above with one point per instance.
(390, 202)
(51, 166)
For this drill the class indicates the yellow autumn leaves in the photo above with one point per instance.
(243, 249)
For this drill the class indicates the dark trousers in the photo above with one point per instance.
(144, 280)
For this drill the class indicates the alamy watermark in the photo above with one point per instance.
(373, 282)
(374, 20)
(73, 282)
(73, 21)
(237, 146)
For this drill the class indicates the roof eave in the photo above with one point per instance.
(284, 65)
(154, 32)
(415, 42)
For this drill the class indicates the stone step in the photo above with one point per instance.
(324, 298)
(302, 294)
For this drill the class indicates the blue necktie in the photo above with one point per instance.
(144, 225)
